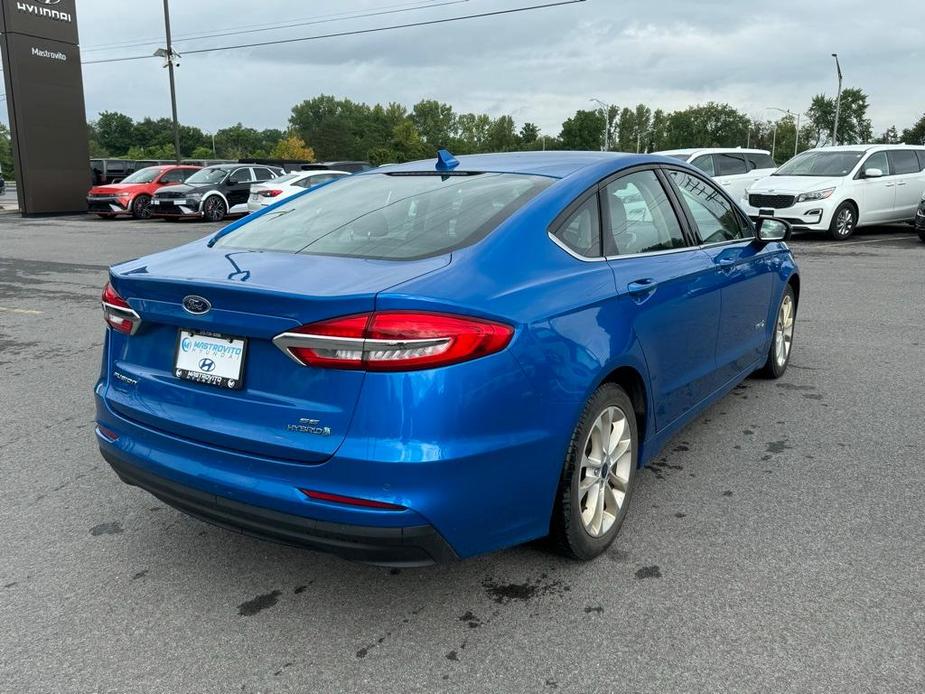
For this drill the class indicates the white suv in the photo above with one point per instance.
(837, 189)
(735, 169)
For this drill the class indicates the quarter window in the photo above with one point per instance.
(640, 216)
(714, 216)
(904, 161)
(263, 174)
(729, 164)
(581, 232)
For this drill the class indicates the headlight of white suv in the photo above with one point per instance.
(815, 195)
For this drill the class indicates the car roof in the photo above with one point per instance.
(862, 148)
(556, 164)
(712, 150)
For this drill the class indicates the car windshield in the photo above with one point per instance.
(390, 216)
(821, 164)
(208, 176)
(143, 175)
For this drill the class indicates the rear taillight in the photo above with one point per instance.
(394, 341)
(117, 313)
(269, 193)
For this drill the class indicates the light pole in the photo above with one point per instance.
(796, 135)
(837, 101)
(606, 108)
(169, 57)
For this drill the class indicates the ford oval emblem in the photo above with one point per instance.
(196, 304)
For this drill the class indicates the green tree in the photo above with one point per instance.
(915, 134)
(501, 135)
(6, 153)
(337, 128)
(435, 121)
(853, 124)
(706, 125)
(115, 131)
(473, 133)
(584, 130)
(201, 153)
(890, 136)
(529, 132)
(237, 142)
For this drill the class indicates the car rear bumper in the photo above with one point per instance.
(418, 545)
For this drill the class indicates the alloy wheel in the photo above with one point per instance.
(142, 207)
(783, 333)
(604, 476)
(844, 223)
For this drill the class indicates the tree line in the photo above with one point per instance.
(328, 128)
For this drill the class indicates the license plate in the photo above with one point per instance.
(216, 360)
(155, 201)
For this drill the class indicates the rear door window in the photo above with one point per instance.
(176, 176)
(729, 164)
(903, 161)
(920, 153)
(640, 217)
(759, 161)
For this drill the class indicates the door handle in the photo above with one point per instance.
(889, 185)
(901, 183)
(643, 286)
(725, 264)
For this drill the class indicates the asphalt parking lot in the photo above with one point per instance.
(777, 545)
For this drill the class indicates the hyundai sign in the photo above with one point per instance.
(44, 93)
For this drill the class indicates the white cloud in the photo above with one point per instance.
(537, 66)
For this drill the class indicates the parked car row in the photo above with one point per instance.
(829, 189)
(212, 192)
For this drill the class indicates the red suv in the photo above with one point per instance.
(132, 195)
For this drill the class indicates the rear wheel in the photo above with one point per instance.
(844, 222)
(214, 209)
(782, 340)
(141, 207)
(598, 476)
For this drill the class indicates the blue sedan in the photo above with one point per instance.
(433, 360)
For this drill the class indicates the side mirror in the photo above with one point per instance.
(873, 173)
(771, 229)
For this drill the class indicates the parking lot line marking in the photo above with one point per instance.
(24, 311)
(855, 243)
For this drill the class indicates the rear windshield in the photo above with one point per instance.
(820, 164)
(390, 216)
(682, 157)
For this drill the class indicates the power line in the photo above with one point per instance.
(354, 32)
(322, 19)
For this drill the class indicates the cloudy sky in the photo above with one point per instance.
(539, 66)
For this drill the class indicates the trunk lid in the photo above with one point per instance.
(282, 409)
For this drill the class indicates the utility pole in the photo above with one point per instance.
(796, 135)
(837, 101)
(173, 87)
(606, 109)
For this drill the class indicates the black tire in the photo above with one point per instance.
(844, 221)
(922, 236)
(141, 207)
(214, 209)
(775, 367)
(567, 531)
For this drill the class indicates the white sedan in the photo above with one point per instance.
(272, 191)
